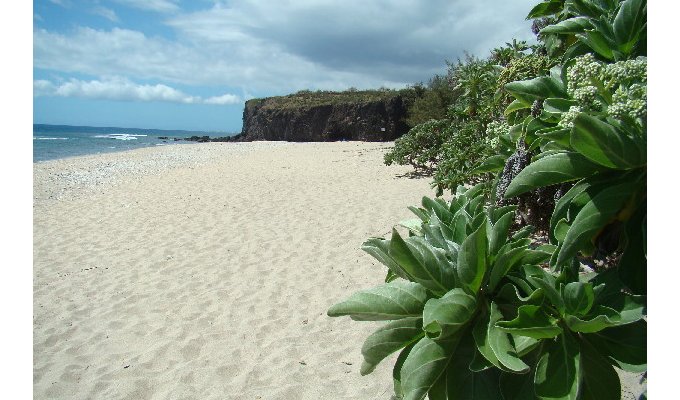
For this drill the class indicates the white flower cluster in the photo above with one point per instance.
(629, 101)
(626, 80)
(625, 72)
(568, 117)
(585, 71)
(494, 130)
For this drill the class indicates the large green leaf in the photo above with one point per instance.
(494, 163)
(394, 300)
(503, 264)
(458, 382)
(533, 322)
(498, 234)
(602, 318)
(434, 263)
(396, 371)
(571, 25)
(500, 344)
(545, 9)
(541, 87)
(604, 144)
(597, 213)
(422, 262)
(625, 346)
(556, 168)
(388, 339)
(629, 24)
(558, 370)
(480, 333)
(424, 365)
(471, 265)
(578, 297)
(598, 42)
(600, 380)
(379, 249)
(445, 316)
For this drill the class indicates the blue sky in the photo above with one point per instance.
(171, 64)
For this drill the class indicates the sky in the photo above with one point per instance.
(171, 64)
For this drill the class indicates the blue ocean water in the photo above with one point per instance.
(59, 141)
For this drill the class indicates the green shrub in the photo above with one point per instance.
(478, 311)
(421, 146)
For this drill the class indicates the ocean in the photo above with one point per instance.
(59, 141)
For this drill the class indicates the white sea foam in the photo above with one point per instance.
(119, 136)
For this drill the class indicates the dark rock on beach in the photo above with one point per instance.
(373, 116)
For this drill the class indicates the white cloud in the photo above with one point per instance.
(279, 47)
(224, 99)
(162, 6)
(122, 89)
(106, 13)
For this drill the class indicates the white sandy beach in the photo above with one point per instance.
(205, 271)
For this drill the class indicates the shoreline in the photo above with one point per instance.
(206, 271)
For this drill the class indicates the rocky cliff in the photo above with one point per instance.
(327, 116)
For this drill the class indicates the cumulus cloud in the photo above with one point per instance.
(122, 89)
(287, 46)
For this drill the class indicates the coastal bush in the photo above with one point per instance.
(479, 309)
(475, 314)
(421, 146)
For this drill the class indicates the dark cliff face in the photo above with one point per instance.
(372, 121)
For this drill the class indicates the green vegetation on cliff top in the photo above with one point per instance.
(308, 98)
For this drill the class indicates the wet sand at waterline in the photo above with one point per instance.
(205, 271)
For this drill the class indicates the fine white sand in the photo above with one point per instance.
(205, 271)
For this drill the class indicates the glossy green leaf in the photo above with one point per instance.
(605, 145)
(556, 168)
(547, 284)
(601, 318)
(578, 298)
(396, 371)
(558, 105)
(533, 322)
(558, 370)
(500, 344)
(593, 217)
(394, 300)
(388, 339)
(498, 234)
(516, 105)
(625, 346)
(379, 249)
(480, 333)
(504, 263)
(441, 210)
(445, 316)
(633, 265)
(494, 163)
(571, 25)
(458, 382)
(425, 364)
(545, 9)
(471, 265)
(437, 271)
(629, 23)
(421, 265)
(541, 87)
(599, 379)
(598, 42)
